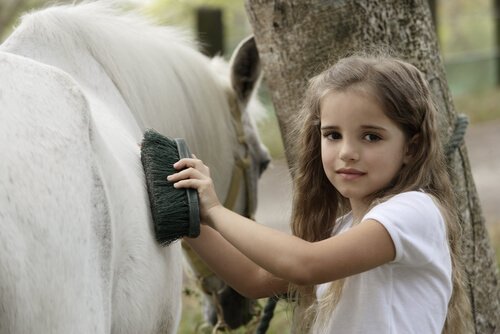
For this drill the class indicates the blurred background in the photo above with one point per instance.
(469, 37)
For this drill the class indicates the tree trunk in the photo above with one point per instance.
(298, 39)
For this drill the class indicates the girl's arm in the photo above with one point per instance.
(237, 270)
(363, 247)
(295, 260)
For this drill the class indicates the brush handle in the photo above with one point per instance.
(192, 194)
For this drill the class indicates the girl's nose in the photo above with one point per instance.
(348, 152)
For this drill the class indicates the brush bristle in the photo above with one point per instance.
(169, 206)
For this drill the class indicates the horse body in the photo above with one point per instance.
(73, 202)
(50, 254)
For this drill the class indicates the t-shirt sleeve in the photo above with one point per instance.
(415, 225)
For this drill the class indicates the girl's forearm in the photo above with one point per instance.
(279, 253)
(237, 270)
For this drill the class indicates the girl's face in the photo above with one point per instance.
(361, 148)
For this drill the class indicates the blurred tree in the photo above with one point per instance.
(9, 9)
(297, 40)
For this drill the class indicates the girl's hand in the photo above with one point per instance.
(194, 174)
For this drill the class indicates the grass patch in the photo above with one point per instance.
(481, 106)
(192, 321)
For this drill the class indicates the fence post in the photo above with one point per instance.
(210, 30)
(496, 20)
(433, 4)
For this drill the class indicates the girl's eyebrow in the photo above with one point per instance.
(364, 127)
(329, 127)
(373, 127)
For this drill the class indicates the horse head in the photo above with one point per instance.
(225, 306)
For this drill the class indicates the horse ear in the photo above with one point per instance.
(245, 69)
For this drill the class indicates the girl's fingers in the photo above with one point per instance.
(188, 162)
(192, 173)
(188, 183)
(188, 173)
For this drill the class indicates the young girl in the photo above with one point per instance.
(375, 229)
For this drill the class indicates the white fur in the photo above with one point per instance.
(76, 241)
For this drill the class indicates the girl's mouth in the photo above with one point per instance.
(350, 173)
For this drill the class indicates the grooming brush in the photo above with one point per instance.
(175, 211)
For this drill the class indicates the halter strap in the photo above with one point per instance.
(241, 166)
(240, 175)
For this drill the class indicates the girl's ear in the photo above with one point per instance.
(411, 148)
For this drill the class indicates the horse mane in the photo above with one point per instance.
(165, 81)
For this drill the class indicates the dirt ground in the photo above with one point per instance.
(483, 145)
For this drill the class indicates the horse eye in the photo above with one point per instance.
(263, 165)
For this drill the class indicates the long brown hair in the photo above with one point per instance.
(403, 92)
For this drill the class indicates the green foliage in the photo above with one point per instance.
(467, 41)
(465, 26)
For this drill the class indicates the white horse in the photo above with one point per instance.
(78, 87)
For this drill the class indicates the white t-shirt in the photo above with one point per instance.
(409, 294)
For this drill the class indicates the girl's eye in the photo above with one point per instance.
(371, 137)
(333, 135)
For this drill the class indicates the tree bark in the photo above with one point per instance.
(297, 39)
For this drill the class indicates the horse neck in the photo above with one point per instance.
(42, 38)
(150, 77)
